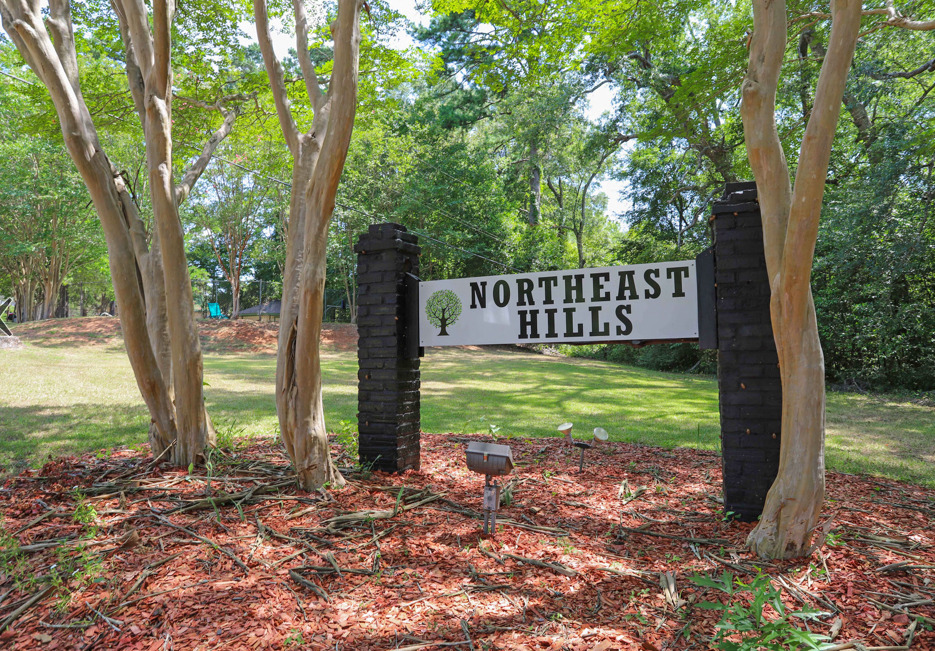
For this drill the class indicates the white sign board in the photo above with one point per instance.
(634, 303)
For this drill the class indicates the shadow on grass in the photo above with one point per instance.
(53, 430)
(530, 396)
(463, 391)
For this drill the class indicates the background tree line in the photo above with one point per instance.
(475, 133)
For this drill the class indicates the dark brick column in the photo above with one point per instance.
(748, 366)
(388, 375)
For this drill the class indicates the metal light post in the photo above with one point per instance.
(490, 460)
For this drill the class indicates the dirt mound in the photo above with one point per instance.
(232, 336)
(217, 336)
(69, 332)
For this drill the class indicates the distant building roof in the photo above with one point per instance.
(270, 307)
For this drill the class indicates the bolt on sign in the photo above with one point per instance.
(644, 302)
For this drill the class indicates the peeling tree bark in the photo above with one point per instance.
(790, 230)
(318, 160)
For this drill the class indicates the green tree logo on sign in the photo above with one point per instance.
(442, 309)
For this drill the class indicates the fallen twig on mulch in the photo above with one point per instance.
(123, 553)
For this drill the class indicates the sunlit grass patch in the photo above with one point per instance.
(63, 400)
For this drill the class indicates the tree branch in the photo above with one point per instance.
(858, 112)
(894, 18)
(184, 187)
(134, 74)
(928, 66)
(557, 192)
(343, 106)
(812, 170)
(141, 40)
(163, 14)
(59, 24)
(26, 38)
(305, 61)
(274, 70)
(758, 112)
(217, 105)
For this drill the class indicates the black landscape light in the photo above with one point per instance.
(600, 434)
(490, 460)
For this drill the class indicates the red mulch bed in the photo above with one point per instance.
(263, 573)
(217, 336)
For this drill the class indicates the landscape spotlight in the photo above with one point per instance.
(565, 428)
(600, 434)
(490, 459)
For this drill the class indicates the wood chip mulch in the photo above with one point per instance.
(112, 551)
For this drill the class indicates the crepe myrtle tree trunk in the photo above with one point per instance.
(318, 157)
(790, 229)
(151, 281)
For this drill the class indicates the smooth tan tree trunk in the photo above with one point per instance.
(790, 230)
(159, 332)
(318, 161)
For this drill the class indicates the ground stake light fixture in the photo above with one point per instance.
(491, 460)
(600, 434)
(565, 428)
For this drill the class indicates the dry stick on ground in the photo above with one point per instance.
(332, 569)
(206, 541)
(425, 645)
(431, 596)
(489, 554)
(901, 611)
(359, 517)
(903, 566)
(301, 580)
(454, 507)
(636, 574)
(161, 592)
(555, 567)
(32, 601)
(734, 566)
(243, 496)
(121, 541)
(700, 541)
(376, 537)
(797, 591)
(44, 516)
(298, 600)
(147, 572)
(149, 466)
(467, 634)
(288, 558)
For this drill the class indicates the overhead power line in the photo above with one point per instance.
(376, 217)
(434, 239)
(289, 185)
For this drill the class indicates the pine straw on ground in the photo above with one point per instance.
(241, 560)
(217, 335)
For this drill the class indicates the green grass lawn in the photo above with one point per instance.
(62, 400)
